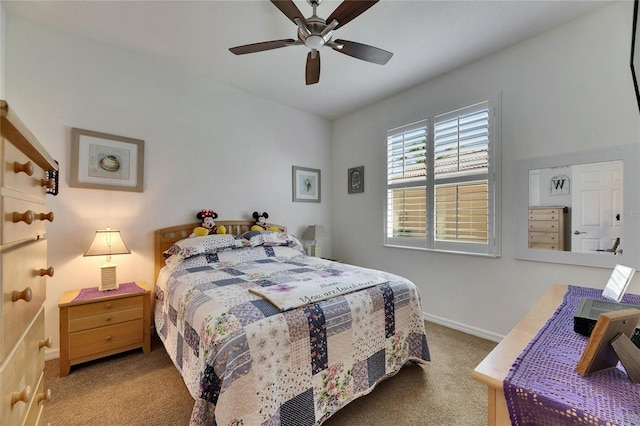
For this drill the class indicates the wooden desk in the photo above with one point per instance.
(494, 368)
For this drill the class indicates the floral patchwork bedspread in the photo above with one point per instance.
(247, 363)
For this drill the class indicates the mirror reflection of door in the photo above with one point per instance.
(596, 201)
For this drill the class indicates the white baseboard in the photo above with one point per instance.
(50, 354)
(462, 327)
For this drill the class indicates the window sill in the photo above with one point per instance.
(442, 251)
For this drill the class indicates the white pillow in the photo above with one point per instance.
(207, 244)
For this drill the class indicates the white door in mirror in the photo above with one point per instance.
(596, 206)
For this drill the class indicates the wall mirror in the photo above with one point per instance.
(635, 50)
(580, 209)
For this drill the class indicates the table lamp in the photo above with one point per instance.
(106, 243)
(314, 232)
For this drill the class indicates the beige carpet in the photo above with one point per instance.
(145, 389)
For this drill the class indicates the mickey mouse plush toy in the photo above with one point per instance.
(208, 224)
(261, 221)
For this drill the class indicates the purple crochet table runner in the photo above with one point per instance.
(94, 293)
(542, 387)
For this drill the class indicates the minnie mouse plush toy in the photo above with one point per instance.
(208, 227)
(208, 218)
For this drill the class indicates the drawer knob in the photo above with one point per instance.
(25, 295)
(24, 396)
(48, 183)
(45, 343)
(44, 396)
(48, 271)
(45, 216)
(108, 338)
(26, 217)
(26, 168)
(108, 319)
(107, 306)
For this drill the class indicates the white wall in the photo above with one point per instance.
(206, 146)
(567, 90)
(563, 91)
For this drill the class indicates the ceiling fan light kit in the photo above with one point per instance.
(315, 33)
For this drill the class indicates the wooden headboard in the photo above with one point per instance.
(165, 237)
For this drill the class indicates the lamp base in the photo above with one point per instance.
(314, 250)
(108, 281)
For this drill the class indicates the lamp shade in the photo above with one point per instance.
(107, 242)
(314, 232)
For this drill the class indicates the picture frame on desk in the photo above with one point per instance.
(106, 161)
(600, 354)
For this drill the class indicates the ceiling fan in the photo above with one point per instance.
(315, 33)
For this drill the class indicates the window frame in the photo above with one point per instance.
(493, 176)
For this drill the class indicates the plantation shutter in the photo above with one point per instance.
(443, 176)
(461, 168)
(406, 184)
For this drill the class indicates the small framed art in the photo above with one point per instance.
(104, 161)
(355, 180)
(600, 354)
(305, 184)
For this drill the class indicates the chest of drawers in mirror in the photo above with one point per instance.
(24, 179)
(546, 228)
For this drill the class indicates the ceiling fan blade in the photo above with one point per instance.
(312, 74)
(364, 52)
(289, 8)
(349, 10)
(259, 47)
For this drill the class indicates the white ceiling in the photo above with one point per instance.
(427, 38)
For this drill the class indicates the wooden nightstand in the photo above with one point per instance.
(97, 324)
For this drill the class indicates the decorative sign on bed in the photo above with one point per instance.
(312, 288)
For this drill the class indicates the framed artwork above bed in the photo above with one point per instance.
(104, 161)
(305, 184)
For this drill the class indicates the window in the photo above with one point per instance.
(442, 175)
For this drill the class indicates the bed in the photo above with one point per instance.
(251, 351)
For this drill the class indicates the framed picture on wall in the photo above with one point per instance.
(104, 161)
(355, 180)
(305, 184)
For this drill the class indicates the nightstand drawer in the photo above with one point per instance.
(108, 306)
(102, 320)
(96, 324)
(103, 339)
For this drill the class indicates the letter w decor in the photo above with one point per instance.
(560, 185)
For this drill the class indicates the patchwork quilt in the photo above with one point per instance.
(245, 362)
